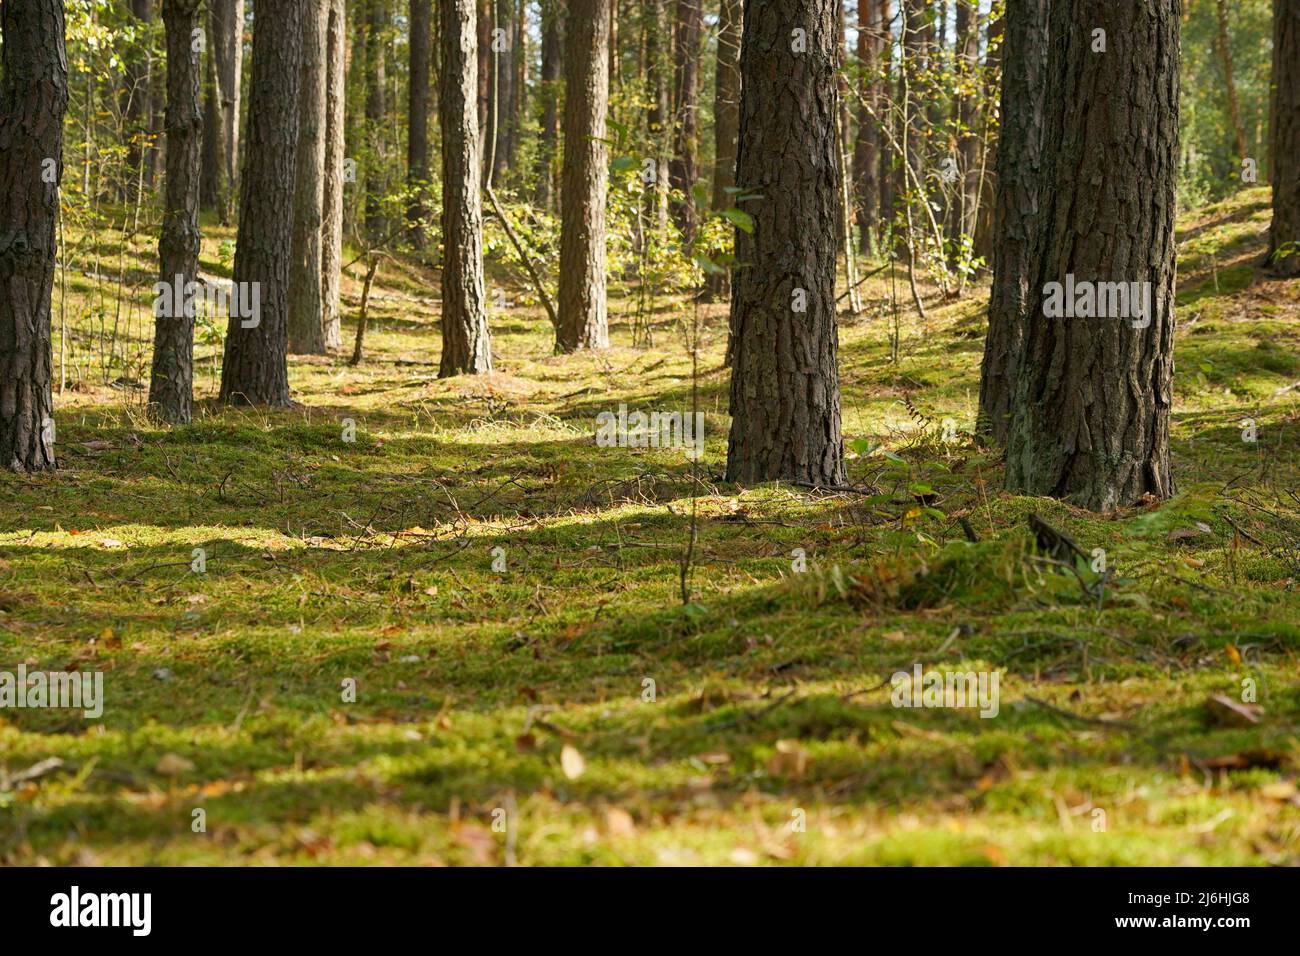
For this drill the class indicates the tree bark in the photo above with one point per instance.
(657, 68)
(137, 96)
(255, 371)
(551, 85)
(1224, 43)
(584, 321)
(968, 142)
(221, 110)
(882, 93)
(466, 346)
(1284, 234)
(417, 141)
(33, 101)
(866, 154)
(726, 121)
(1016, 218)
(331, 258)
(306, 330)
(171, 380)
(785, 393)
(687, 37)
(376, 80)
(1091, 414)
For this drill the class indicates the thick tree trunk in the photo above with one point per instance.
(1284, 235)
(584, 321)
(212, 164)
(33, 100)
(171, 392)
(331, 255)
(1016, 221)
(551, 85)
(866, 153)
(417, 141)
(785, 393)
(726, 121)
(466, 347)
(687, 37)
(1091, 414)
(255, 371)
(306, 331)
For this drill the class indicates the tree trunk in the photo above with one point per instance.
(726, 121)
(657, 54)
(785, 393)
(376, 80)
(583, 318)
(551, 85)
(866, 154)
(171, 392)
(255, 371)
(417, 141)
(33, 100)
(1224, 43)
(1284, 235)
(968, 141)
(466, 347)
(212, 164)
(687, 37)
(137, 97)
(501, 92)
(992, 77)
(1016, 221)
(1091, 413)
(221, 146)
(306, 331)
(331, 256)
(882, 94)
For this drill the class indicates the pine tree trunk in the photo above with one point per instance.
(1091, 413)
(882, 94)
(726, 121)
(466, 347)
(1284, 235)
(584, 321)
(658, 119)
(551, 85)
(1016, 221)
(376, 116)
(137, 102)
(212, 164)
(968, 61)
(171, 381)
(255, 371)
(332, 205)
(501, 88)
(227, 57)
(33, 101)
(682, 171)
(417, 142)
(785, 393)
(1224, 43)
(306, 329)
(866, 154)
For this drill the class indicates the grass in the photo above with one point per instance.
(569, 709)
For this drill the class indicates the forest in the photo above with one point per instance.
(650, 432)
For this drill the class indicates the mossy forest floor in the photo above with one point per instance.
(502, 716)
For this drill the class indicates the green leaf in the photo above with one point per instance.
(741, 220)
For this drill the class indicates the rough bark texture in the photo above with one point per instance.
(221, 109)
(551, 85)
(172, 377)
(866, 153)
(726, 119)
(331, 250)
(255, 370)
(1091, 415)
(306, 331)
(687, 36)
(1016, 234)
(417, 140)
(785, 393)
(466, 347)
(212, 168)
(1285, 231)
(584, 322)
(33, 100)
